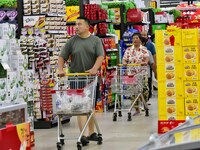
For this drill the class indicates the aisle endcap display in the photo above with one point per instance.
(178, 75)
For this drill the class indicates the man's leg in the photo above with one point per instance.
(81, 122)
(92, 134)
(91, 126)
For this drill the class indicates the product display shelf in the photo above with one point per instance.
(122, 26)
(55, 39)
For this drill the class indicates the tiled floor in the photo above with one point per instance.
(116, 135)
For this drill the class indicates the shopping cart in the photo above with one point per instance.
(128, 80)
(74, 95)
(186, 136)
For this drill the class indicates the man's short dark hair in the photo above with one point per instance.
(85, 19)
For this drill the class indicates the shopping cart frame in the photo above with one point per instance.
(139, 95)
(155, 140)
(89, 113)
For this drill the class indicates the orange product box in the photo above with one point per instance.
(170, 89)
(191, 72)
(167, 125)
(191, 54)
(171, 107)
(190, 37)
(170, 71)
(169, 54)
(191, 89)
(192, 106)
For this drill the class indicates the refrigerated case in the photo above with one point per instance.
(184, 137)
(12, 114)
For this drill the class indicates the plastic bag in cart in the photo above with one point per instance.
(129, 80)
(74, 102)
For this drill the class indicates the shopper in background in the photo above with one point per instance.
(151, 65)
(150, 46)
(138, 54)
(87, 55)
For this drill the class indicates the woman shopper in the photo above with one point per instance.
(138, 54)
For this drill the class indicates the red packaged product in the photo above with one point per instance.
(134, 15)
(167, 125)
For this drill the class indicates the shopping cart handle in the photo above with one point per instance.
(121, 65)
(77, 74)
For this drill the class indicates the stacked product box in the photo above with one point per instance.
(178, 76)
(170, 79)
(191, 71)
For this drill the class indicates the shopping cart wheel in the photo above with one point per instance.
(99, 140)
(147, 112)
(59, 146)
(79, 147)
(129, 116)
(62, 140)
(115, 116)
(120, 113)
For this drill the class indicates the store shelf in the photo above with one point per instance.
(187, 8)
(102, 21)
(113, 67)
(35, 15)
(55, 15)
(55, 31)
(106, 35)
(159, 23)
(112, 50)
(137, 23)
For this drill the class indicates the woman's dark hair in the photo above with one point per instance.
(138, 34)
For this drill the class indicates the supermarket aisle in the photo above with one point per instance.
(116, 135)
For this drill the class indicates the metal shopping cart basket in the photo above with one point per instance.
(186, 136)
(74, 95)
(128, 80)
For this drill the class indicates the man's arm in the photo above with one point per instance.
(96, 66)
(61, 63)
